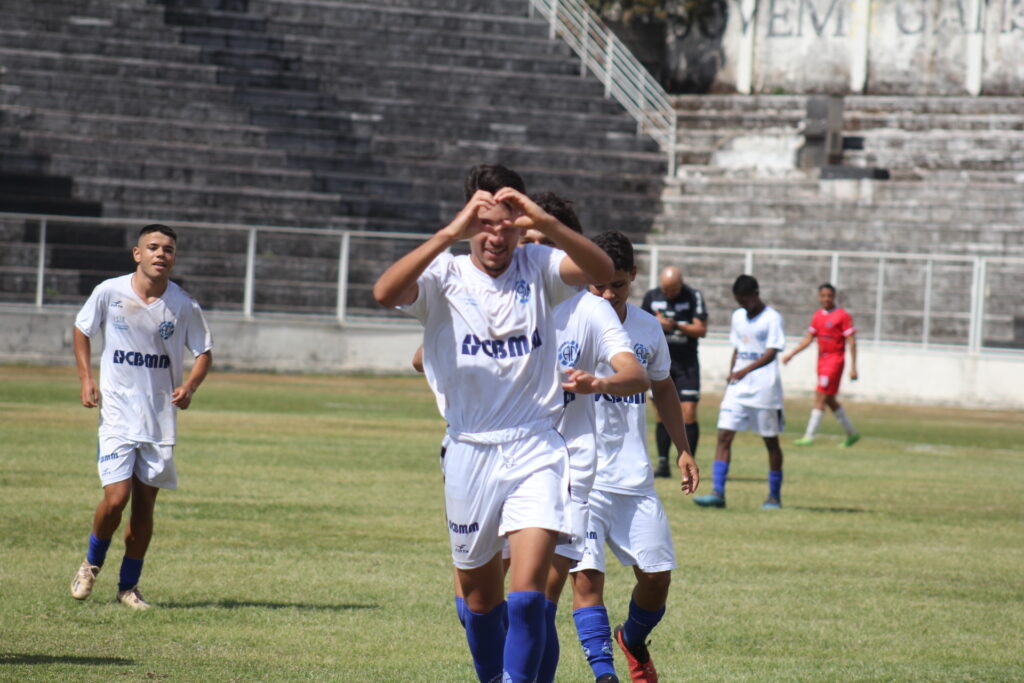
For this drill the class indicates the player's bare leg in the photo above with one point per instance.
(105, 521)
(720, 472)
(592, 625)
(646, 609)
(531, 551)
(136, 542)
(483, 590)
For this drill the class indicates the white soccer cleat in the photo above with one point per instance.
(81, 585)
(133, 598)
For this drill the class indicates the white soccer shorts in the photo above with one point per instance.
(153, 464)
(579, 516)
(492, 490)
(634, 527)
(736, 417)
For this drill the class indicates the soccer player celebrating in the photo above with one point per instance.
(488, 325)
(625, 511)
(147, 322)
(753, 396)
(680, 310)
(834, 330)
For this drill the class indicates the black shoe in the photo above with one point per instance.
(663, 470)
(607, 678)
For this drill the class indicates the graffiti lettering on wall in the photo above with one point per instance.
(830, 18)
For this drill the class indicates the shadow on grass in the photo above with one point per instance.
(817, 509)
(23, 658)
(243, 604)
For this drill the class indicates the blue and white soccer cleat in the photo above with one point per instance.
(715, 499)
(771, 503)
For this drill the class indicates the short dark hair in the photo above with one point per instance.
(745, 284)
(160, 228)
(561, 209)
(827, 285)
(491, 178)
(619, 248)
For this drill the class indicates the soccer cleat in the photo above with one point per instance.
(850, 440)
(715, 499)
(641, 668)
(804, 441)
(607, 678)
(771, 503)
(663, 470)
(133, 598)
(81, 585)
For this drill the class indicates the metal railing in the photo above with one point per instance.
(932, 301)
(624, 77)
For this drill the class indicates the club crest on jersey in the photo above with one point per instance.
(166, 329)
(522, 291)
(568, 352)
(643, 354)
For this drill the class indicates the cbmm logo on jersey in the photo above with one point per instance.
(139, 360)
(513, 347)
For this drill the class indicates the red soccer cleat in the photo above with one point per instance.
(641, 668)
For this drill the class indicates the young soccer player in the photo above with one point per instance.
(625, 511)
(753, 396)
(834, 330)
(147, 322)
(487, 326)
(684, 318)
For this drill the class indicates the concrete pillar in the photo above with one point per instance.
(860, 29)
(976, 25)
(745, 62)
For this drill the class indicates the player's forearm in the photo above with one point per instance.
(83, 355)
(397, 285)
(764, 360)
(852, 343)
(591, 263)
(666, 400)
(200, 369)
(629, 378)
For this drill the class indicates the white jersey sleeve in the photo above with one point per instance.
(550, 261)
(92, 315)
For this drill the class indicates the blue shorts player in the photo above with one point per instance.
(488, 326)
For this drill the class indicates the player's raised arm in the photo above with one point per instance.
(397, 285)
(629, 378)
(666, 399)
(586, 261)
(83, 359)
(804, 343)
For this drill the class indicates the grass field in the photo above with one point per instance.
(307, 543)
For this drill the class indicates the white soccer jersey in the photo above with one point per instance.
(141, 362)
(588, 334)
(761, 388)
(622, 462)
(488, 341)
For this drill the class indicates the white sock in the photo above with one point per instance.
(845, 421)
(813, 423)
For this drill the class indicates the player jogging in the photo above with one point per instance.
(625, 511)
(684, 318)
(147, 322)
(753, 396)
(834, 330)
(488, 325)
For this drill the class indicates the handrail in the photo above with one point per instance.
(624, 77)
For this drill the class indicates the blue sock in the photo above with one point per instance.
(460, 609)
(527, 634)
(548, 664)
(775, 484)
(719, 473)
(639, 624)
(485, 634)
(97, 553)
(595, 634)
(131, 570)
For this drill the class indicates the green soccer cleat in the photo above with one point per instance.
(850, 440)
(716, 499)
(803, 441)
(771, 503)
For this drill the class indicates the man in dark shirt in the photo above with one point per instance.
(683, 317)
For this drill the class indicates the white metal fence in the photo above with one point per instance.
(971, 303)
(624, 77)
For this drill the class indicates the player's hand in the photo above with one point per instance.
(90, 395)
(582, 382)
(787, 358)
(736, 376)
(182, 397)
(528, 214)
(853, 374)
(466, 224)
(689, 473)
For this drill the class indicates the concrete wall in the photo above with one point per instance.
(889, 373)
(925, 47)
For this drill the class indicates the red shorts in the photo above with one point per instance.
(830, 373)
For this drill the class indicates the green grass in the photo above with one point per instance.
(307, 542)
